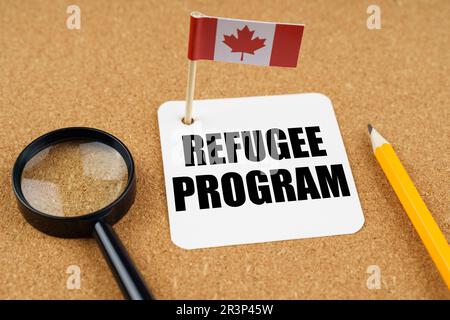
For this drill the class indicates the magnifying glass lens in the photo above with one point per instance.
(74, 178)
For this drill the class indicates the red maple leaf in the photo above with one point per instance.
(244, 42)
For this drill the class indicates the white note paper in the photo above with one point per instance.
(253, 200)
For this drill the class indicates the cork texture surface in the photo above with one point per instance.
(130, 56)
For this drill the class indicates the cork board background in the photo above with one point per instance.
(130, 56)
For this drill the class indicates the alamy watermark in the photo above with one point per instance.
(376, 281)
(374, 20)
(74, 279)
(74, 20)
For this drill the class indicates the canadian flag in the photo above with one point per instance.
(243, 41)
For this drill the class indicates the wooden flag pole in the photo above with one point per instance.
(192, 67)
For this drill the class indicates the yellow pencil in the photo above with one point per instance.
(418, 213)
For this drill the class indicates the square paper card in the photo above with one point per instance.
(256, 169)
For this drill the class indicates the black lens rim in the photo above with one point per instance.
(78, 226)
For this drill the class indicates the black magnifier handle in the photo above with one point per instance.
(127, 276)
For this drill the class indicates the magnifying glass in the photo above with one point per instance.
(76, 183)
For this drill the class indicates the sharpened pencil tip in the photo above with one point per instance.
(369, 126)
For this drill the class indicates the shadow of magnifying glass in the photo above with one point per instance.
(76, 183)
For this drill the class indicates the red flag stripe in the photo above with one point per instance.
(202, 38)
(286, 45)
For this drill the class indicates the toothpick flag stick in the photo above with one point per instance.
(192, 66)
(240, 41)
(192, 70)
